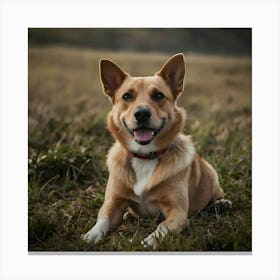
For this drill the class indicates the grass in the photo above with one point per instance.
(68, 141)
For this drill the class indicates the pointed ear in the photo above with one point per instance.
(112, 76)
(173, 73)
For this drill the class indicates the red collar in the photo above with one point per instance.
(150, 155)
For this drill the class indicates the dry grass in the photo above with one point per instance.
(68, 141)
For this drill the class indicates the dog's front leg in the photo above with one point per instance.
(176, 220)
(109, 215)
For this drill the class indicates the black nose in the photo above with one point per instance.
(142, 114)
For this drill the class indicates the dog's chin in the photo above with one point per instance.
(144, 135)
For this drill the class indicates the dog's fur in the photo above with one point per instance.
(177, 180)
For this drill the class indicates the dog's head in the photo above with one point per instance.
(144, 108)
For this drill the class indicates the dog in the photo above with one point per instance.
(153, 166)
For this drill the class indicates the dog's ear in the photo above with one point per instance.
(112, 76)
(173, 73)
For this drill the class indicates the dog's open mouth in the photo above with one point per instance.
(144, 135)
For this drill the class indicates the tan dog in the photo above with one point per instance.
(153, 166)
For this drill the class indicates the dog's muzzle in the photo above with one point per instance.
(144, 135)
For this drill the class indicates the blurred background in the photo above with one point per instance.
(191, 40)
(63, 63)
(68, 139)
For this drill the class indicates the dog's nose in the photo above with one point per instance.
(142, 114)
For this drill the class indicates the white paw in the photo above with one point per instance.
(155, 237)
(94, 235)
(98, 232)
(149, 241)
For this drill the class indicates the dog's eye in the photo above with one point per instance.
(157, 96)
(127, 96)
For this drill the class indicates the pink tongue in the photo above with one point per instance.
(143, 135)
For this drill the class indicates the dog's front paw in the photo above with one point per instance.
(154, 239)
(98, 232)
(149, 241)
(94, 235)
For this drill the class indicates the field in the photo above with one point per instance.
(68, 141)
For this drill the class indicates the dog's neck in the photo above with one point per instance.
(147, 152)
(150, 155)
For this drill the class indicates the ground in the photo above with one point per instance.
(68, 141)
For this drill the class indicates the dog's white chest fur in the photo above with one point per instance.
(144, 170)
